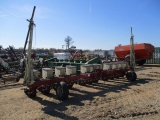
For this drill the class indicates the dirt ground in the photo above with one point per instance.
(112, 99)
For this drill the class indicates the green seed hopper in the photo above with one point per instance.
(51, 63)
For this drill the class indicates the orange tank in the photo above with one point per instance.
(142, 51)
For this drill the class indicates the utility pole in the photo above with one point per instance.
(132, 55)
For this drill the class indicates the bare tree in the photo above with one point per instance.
(68, 40)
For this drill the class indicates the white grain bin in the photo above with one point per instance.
(71, 70)
(47, 73)
(107, 66)
(36, 73)
(60, 71)
(86, 68)
(97, 66)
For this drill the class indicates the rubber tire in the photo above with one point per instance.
(111, 78)
(18, 78)
(30, 93)
(82, 83)
(64, 91)
(70, 85)
(46, 91)
(141, 63)
(96, 81)
(131, 76)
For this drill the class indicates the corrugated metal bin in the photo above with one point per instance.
(156, 57)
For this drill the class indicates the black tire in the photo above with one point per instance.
(111, 78)
(141, 62)
(90, 82)
(62, 91)
(131, 75)
(3, 69)
(29, 93)
(104, 78)
(70, 85)
(45, 90)
(18, 78)
(96, 81)
(82, 83)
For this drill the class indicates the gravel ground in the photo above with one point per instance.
(109, 100)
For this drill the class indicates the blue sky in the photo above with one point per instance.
(92, 24)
